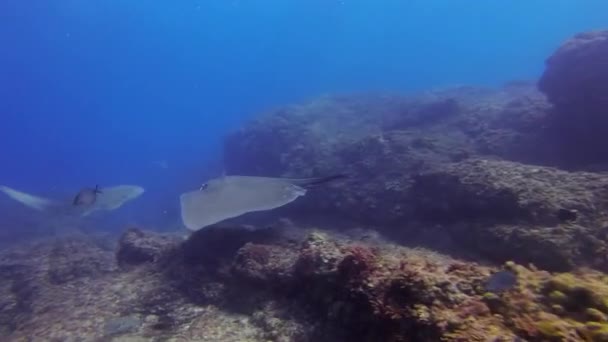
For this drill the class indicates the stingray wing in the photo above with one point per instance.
(29, 200)
(233, 196)
(313, 182)
(114, 197)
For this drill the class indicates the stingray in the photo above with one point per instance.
(108, 199)
(231, 196)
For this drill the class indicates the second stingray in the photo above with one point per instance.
(231, 196)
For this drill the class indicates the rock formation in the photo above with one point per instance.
(457, 160)
(576, 83)
(510, 211)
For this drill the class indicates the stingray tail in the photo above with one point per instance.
(312, 182)
(28, 200)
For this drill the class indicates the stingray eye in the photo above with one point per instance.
(203, 187)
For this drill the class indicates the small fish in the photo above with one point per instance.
(87, 196)
(501, 281)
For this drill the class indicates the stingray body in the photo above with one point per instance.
(87, 196)
(231, 196)
(84, 204)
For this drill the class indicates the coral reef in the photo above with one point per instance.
(353, 290)
(477, 165)
(307, 285)
(470, 171)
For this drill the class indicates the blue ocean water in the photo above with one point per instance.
(142, 92)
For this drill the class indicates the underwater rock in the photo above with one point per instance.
(459, 171)
(576, 81)
(366, 293)
(415, 115)
(122, 325)
(137, 247)
(297, 136)
(511, 211)
(508, 192)
(279, 324)
(74, 258)
(434, 171)
(567, 215)
(215, 245)
(210, 253)
(18, 291)
(359, 292)
(350, 291)
(576, 74)
(383, 141)
(37, 275)
(265, 264)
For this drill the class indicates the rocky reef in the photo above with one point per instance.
(511, 211)
(475, 167)
(287, 283)
(501, 172)
(445, 190)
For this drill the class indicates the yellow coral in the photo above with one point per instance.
(595, 315)
(596, 332)
(558, 296)
(490, 296)
(510, 265)
(564, 282)
(551, 329)
(578, 293)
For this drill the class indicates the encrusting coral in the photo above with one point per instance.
(309, 286)
(368, 292)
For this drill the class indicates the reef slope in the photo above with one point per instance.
(285, 283)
